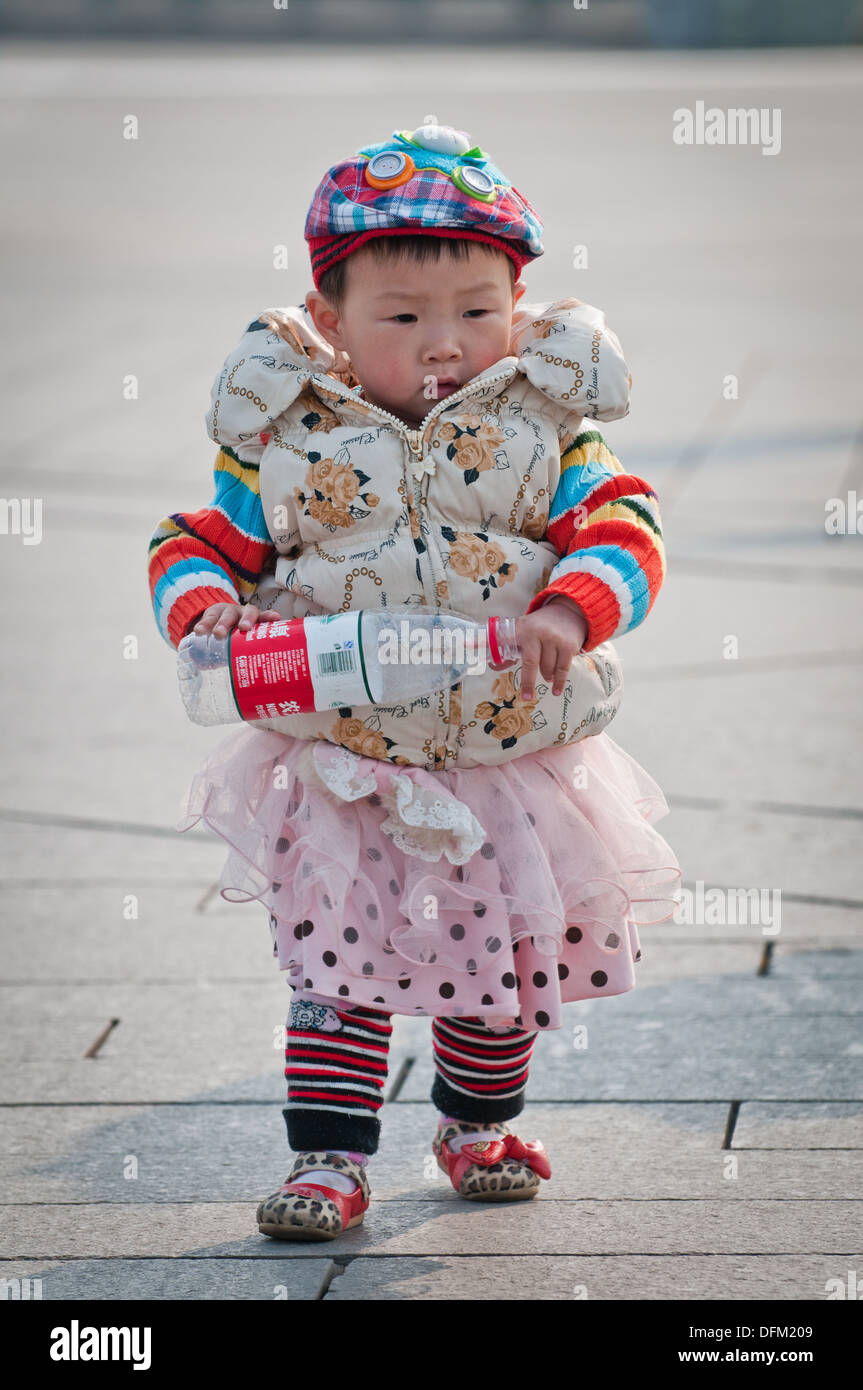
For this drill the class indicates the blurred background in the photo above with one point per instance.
(622, 23)
(159, 159)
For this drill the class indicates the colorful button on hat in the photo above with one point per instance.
(429, 181)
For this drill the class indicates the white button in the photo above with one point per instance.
(475, 180)
(387, 164)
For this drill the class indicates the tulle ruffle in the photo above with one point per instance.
(395, 867)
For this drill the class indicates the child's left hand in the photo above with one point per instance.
(550, 638)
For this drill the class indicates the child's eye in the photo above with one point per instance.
(400, 318)
(477, 311)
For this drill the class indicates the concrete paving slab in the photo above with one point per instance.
(810, 1125)
(645, 1278)
(176, 1279)
(137, 1155)
(544, 1226)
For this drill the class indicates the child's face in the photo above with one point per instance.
(416, 332)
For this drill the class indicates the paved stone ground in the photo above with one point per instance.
(707, 1141)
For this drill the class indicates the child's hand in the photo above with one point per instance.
(220, 617)
(550, 638)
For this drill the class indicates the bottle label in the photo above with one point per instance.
(284, 667)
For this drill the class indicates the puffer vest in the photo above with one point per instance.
(367, 513)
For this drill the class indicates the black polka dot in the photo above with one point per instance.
(351, 934)
(404, 984)
(507, 980)
(307, 984)
(563, 972)
(638, 955)
(368, 968)
(298, 931)
(282, 844)
(541, 1018)
(612, 941)
(394, 888)
(371, 910)
(487, 850)
(479, 909)
(343, 989)
(514, 947)
(530, 817)
(446, 990)
(518, 1020)
(374, 853)
(599, 978)
(308, 927)
(573, 934)
(276, 887)
(492, 943)
(329, 958)
(540, 980)
(487, 999)
(518, 982)
(471, 965)
(326, 901)
(456, 931)
(379, 999)
(459, 873)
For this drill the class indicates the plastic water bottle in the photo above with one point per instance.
(368, 657)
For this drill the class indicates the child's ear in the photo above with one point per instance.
(518, 290)
(325, 319)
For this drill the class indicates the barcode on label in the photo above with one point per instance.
(334, 663)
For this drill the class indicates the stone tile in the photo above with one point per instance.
(543, 1226)
(626, 1277)
(804, 1125)
(175, 1280)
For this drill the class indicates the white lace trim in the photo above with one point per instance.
(425, 822)
(339, 773)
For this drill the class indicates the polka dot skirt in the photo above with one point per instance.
(544, 910)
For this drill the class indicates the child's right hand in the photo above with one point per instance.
(219, 618)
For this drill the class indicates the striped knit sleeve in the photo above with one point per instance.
(215, 555)
(605, 526)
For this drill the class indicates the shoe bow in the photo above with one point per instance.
(489, 1151)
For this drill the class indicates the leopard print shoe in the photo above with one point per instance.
(306, 1211)
(491, 1170)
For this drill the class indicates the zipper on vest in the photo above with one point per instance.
(416, 438)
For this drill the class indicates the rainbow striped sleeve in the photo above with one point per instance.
(605, 526)
(215, 555)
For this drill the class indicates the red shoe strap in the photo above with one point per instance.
(350, 1204)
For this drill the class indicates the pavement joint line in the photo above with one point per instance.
(778, 808)
(428, 1199)
(748, 666)
(399, 1080)
(714, 429)
(730, 1124)
(100, 823)
(750, 569)
(537, 1100)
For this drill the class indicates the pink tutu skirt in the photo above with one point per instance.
(501, 892)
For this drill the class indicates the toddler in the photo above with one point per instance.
(413, 437)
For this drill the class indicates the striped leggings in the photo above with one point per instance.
(336, 1065)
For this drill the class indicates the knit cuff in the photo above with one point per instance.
(594, 598)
